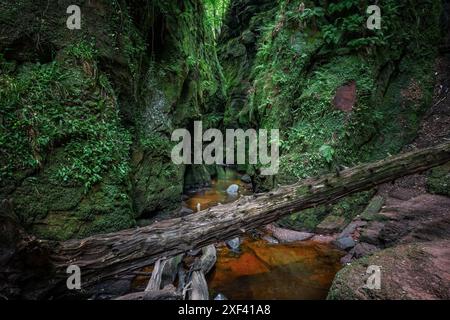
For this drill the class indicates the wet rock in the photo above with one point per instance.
(404, 193)
(373, 208)
(331, 224)
(345, 97)
(194, 253)
(423, 218)
(246, 178)
(186, 211)
(345, 243)
(323, 239)
(234, 244)
(351, 228)
(363, 249)
(220, 297)
(233, 189)
(270, 239)
(372, 233)
(286, 235)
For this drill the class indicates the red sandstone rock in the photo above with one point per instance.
(345, 97)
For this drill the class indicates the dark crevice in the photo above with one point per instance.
(30, 49)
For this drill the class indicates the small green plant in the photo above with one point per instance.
(83, 50)
(158, 143)
(327, 153)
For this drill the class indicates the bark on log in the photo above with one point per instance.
(112, 255)
(170, 271)
(199, 287)
(154, 283)
(208, 259)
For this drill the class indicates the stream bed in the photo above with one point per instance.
(263, 270)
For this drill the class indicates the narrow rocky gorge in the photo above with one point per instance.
(86, 119)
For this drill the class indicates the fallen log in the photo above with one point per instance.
(155, 280)
(199, 287)
(208, 259)
(170, 270)
(118, 254)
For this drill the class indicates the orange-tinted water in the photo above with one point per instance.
(275, 271)
(262, 270)
(217, 193)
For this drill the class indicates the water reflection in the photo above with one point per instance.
(264, 271)
(261, 270)
(217, 193)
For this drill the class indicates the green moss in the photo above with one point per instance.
(299, 62)
(43, 204)
(340, 290)
(58, 226)
(48, 105)
(196, 176)
(347, 208)
(373, 208)
(107, 223)
(82, 50)
(438, 181)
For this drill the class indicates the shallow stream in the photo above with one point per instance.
(262, 270)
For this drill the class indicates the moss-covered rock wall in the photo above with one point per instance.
(340, 94)
(86, 115)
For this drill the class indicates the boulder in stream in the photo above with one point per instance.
(185, 211)
(234, 244)
(286, 235)
(246, 178)
(220, 297)
(270, 239)
(345, 243)
(233, 189)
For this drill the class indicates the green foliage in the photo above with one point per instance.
(348, 26)
(348, 208)
(327, 153)
(157, 143)
(306, 52)
(438, 181)
(215, 14)
(294, 92)
(83, 50)
(49, 106)
(127, 37)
